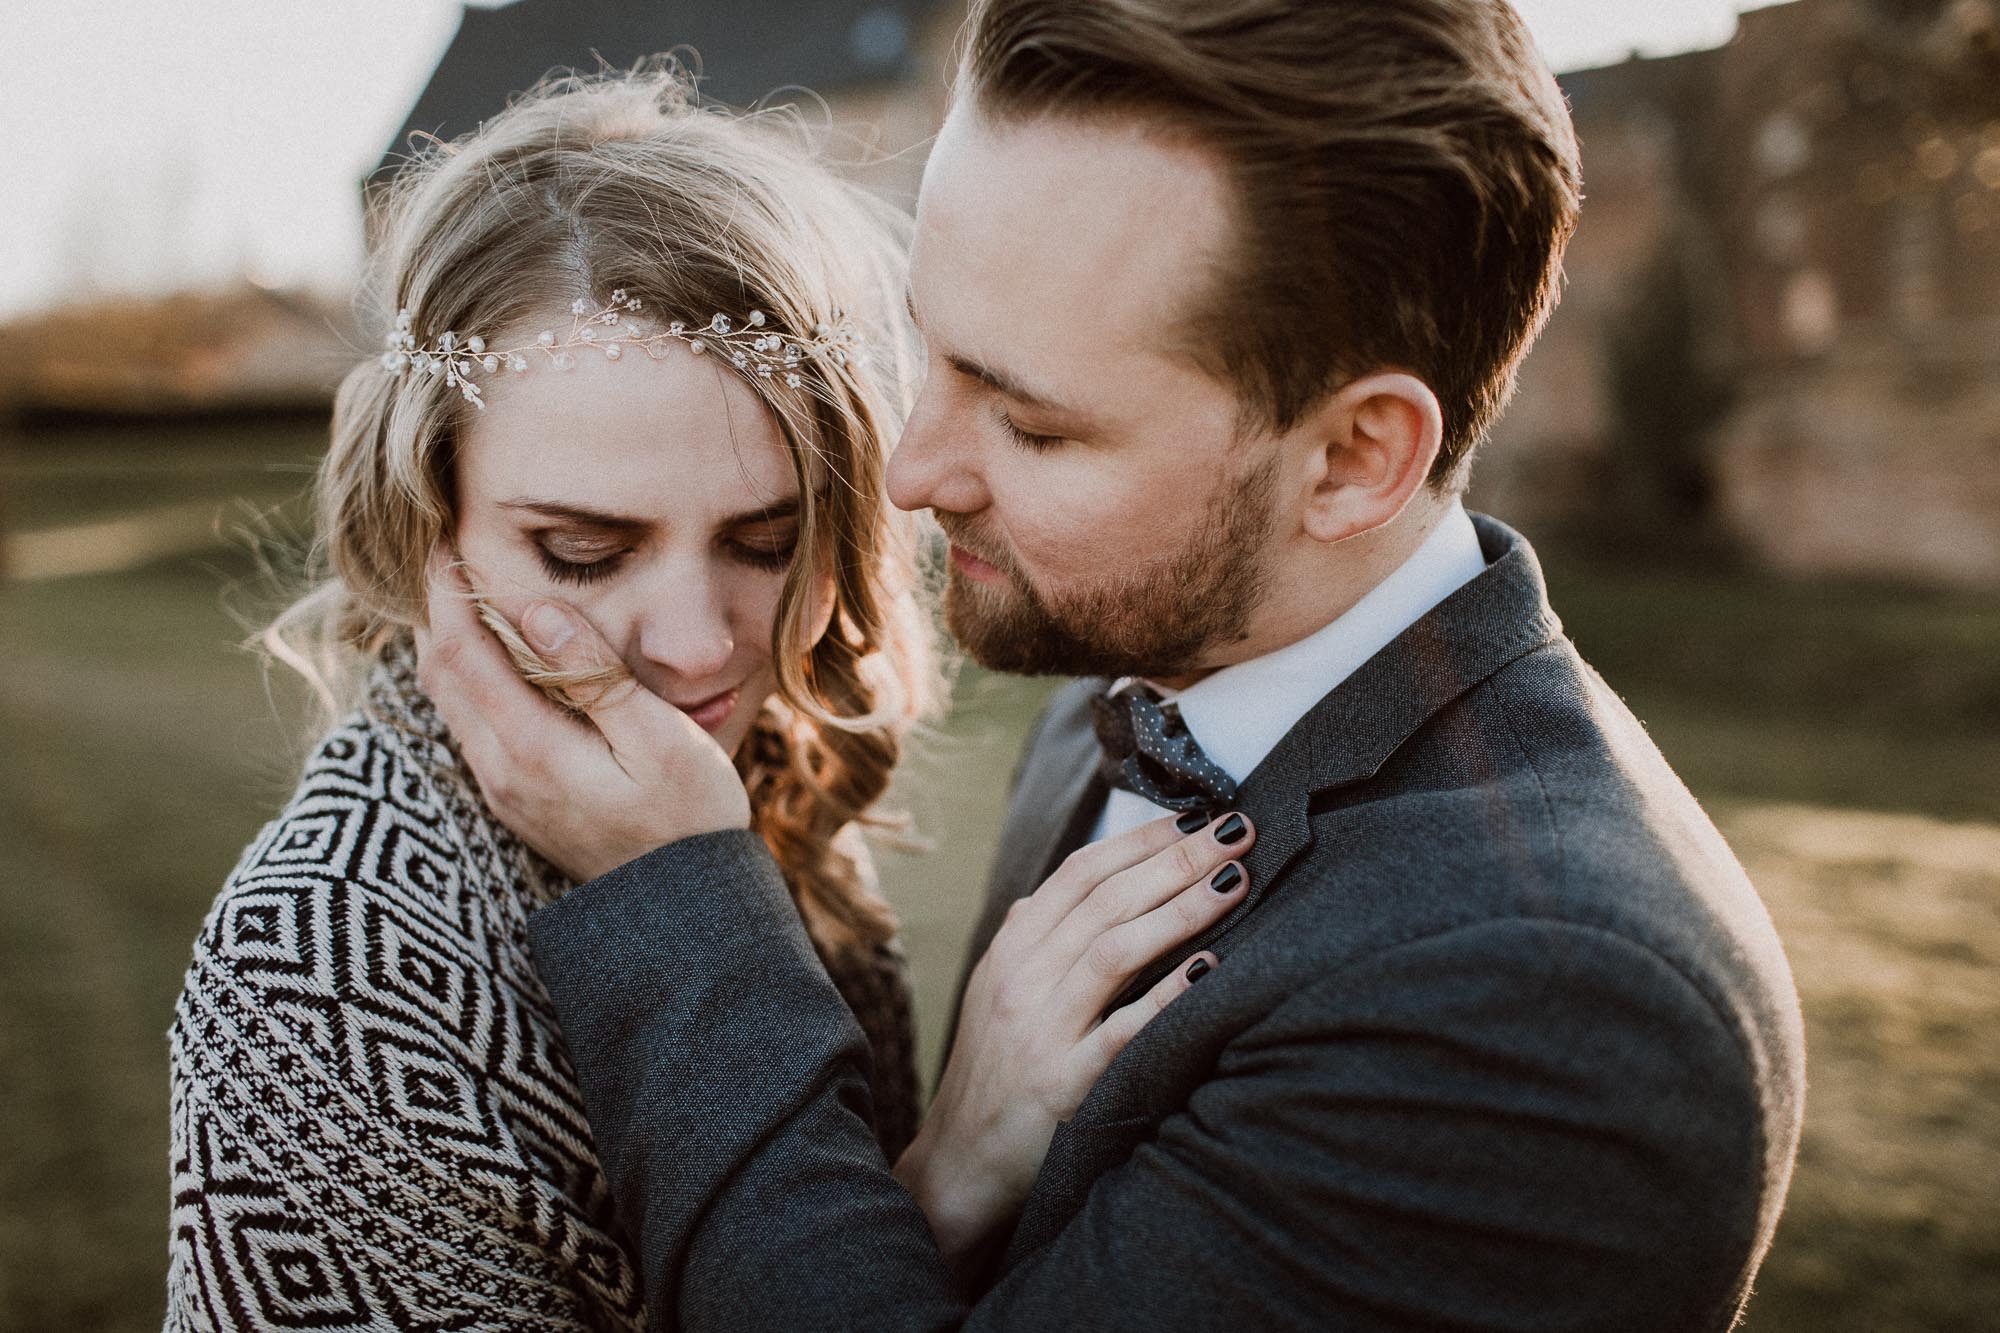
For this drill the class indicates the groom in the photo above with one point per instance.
(1219, 297)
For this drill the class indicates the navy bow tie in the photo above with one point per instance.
(1148, 751)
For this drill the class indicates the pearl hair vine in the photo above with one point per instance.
(751, 346)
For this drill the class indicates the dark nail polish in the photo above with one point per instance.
(1192, 820)
(1231, 831)
(1197, 970)
(1227, 878)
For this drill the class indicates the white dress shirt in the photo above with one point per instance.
(1238, 714)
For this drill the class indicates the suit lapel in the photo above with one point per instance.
(1499, 617)
(1054, 806)
(1495, 619)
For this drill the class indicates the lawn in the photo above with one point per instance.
(1846, 739)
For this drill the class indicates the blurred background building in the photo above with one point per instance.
(1782, 324)
(873, 68)
(1780, 335)
(1758, 448)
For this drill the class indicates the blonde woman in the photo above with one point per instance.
(648, 362)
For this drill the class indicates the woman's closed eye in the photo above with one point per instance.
(765, 546)
(578, 563)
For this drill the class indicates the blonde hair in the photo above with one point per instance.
(582, 187)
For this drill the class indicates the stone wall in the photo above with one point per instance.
(1829, 183)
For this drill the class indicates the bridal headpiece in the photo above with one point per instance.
(608, 331)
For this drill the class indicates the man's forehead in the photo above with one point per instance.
(1096, 226)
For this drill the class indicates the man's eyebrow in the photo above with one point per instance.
(998, 380)
(1001, 382)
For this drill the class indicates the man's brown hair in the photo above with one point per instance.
(1405, 178)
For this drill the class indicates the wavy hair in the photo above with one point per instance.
(581, 187)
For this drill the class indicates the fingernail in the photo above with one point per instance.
(547, 628)
(1231, 830)
(1197, 970)
(1227, 878)
(1192, 820)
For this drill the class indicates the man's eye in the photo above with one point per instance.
(1027, 439)
(577, 571)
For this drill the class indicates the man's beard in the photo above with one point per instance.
(1158, 618)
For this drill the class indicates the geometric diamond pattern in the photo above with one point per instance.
(375, 1123)
(300, 1280)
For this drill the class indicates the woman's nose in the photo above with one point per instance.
(686, 626)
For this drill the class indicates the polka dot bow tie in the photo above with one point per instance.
(1148, 751)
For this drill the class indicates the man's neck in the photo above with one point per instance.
(1326, 583)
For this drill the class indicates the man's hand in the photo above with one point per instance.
(1030, 1039)
(591, 793)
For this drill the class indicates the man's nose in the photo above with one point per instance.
(686, 625)
(935, 463)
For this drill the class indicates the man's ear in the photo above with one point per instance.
(1370, 448)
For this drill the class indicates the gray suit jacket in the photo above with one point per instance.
(1501, 1038)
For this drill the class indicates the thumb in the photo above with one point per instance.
(570, 660)
(561, 652)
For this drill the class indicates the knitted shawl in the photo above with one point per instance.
(376, 1124)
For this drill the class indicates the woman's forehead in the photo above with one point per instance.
(679, 435)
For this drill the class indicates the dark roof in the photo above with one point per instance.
(748, 49)
(1667, 81)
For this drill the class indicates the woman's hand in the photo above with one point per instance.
(589, 794)
(1030, 1038)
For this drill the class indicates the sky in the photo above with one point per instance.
(155, 144)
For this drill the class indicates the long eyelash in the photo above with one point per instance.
(571, 571)
(1024, 438)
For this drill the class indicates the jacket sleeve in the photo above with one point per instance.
(1516, 1124)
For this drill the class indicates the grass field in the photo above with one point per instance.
(1846, 738)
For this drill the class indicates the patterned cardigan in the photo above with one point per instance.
(376, 1124)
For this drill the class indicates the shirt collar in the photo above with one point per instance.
(1241, 712)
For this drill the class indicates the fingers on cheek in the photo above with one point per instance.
(500, 790)
(439, 659)
(527, 768)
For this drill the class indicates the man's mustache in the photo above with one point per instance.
(957, 533)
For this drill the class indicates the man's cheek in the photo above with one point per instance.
(1098, 542)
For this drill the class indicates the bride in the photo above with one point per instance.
(647, 364)
(648, 360)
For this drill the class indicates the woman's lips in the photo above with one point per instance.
(709, 714)
(972, 566)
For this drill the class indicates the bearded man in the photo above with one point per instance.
(1219, 298)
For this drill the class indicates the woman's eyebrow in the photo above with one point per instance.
(596, 518)
(773, 513)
